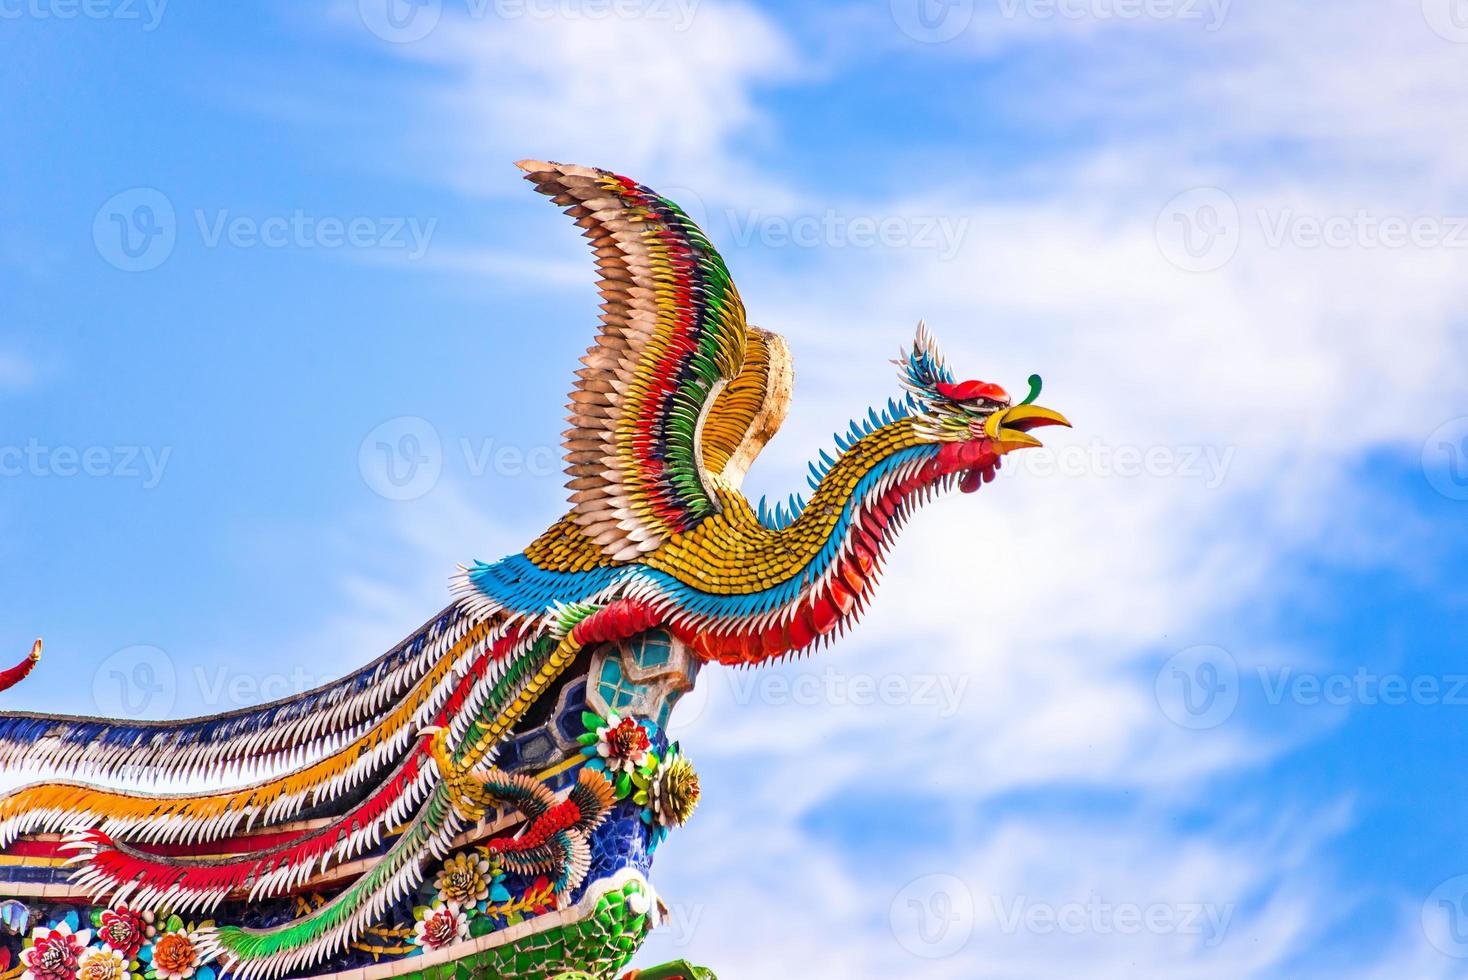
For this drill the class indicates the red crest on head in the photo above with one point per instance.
(970, 390)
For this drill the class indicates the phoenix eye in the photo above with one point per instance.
(981, 406)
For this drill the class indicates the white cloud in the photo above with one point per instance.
(658, 96)
(1221, 905)
(1361, 88)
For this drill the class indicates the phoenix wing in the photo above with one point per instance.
(673, 334)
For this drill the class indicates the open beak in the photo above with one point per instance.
(1009, 428)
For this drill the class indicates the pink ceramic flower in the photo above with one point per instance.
(622, 744)
(441, 926)
(124, 930)
(54, 953)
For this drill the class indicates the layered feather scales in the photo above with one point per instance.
(675, 398)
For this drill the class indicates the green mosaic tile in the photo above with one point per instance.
(596, 948)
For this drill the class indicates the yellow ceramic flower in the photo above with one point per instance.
(674, 792)
(103, 963)
(464, 879)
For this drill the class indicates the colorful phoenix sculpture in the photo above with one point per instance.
(485, 799)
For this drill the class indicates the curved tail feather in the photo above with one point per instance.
(155, 818)
(262, 736)
(115, 871)
(124, 874)
(248, 954)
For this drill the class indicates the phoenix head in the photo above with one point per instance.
(977, 422)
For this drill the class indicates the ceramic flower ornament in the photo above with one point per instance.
(176, 953)
(464, 879)
(622, 745)
(104, 963)
(124, 929)
(441, 926)
(54, 952)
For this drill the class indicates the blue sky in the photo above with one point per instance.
(1199, 661)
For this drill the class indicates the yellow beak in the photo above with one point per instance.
(1009, 428)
